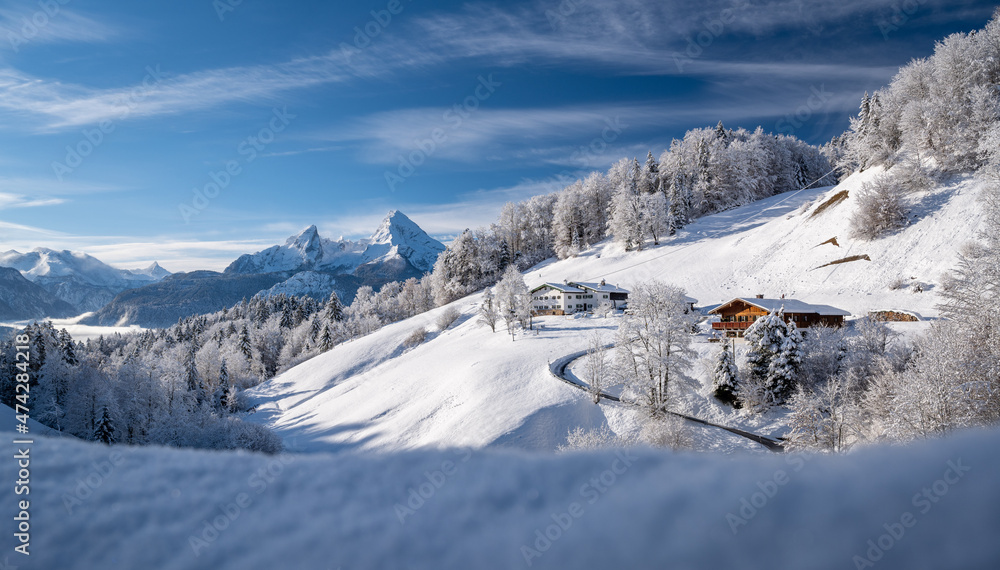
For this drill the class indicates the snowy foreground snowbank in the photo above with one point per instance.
(931, 505)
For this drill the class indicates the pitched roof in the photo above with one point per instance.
(789, 306)
(561, 287)
(605, 288)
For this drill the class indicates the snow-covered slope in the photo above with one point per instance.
(928, 505)
(468, 386)
(782, 245)
(315, 285)
(81, 280)
(397, 238)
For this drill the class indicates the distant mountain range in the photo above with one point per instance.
(82, 282)
(398, 239)
(307, 264)
(21, 299)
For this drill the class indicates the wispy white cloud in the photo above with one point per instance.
(629, 37)
(582, 135)
(157, 92)
(23, 231)
(26, 23)
(49, 186)
(10, 201)
(636, 36)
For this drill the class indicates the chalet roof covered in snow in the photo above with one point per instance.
(601, 287)
(561, 287)
(787, 306)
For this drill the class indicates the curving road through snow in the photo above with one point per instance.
(558, 369)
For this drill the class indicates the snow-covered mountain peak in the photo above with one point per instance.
(303, 238)
(308, 244)
(154, 271)
(396, 228)
(399, 236)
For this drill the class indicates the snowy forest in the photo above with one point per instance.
(181, 386)
(710, 170)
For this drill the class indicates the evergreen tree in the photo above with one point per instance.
(721, 134)
(677, 209)
(192, 378)
(334, 309)
(245, 347)
(68, 349)
(105, 429)
(286, 321)
(726, 379)
(222, 395)
(775, 355)
(326, 339)
(649, 178)
(784, 370)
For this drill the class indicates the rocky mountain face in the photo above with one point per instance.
(21, 299)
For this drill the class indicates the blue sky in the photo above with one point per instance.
(286, 114)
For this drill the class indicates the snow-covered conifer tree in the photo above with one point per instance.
(105, 429)
(725, 381)
(223, 398)
(649, 176)
(774, 355)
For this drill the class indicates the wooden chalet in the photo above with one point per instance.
(736, 316)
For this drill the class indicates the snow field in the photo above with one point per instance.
(166, 508)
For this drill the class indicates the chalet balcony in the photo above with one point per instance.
(731, 325)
